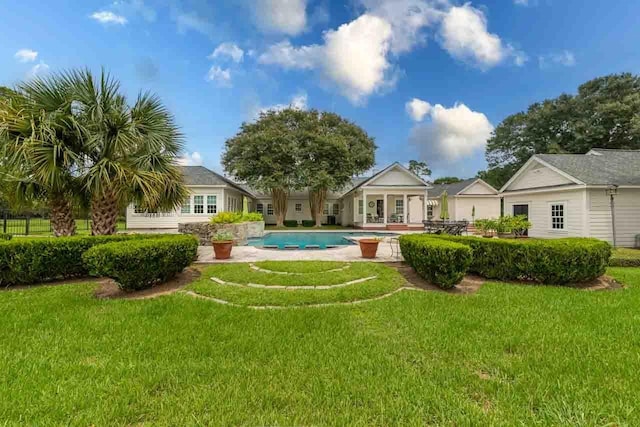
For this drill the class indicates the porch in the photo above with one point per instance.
(392, 209)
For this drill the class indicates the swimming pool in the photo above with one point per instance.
(309, 240)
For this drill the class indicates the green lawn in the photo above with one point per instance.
(42, 226)
(624, 257)
(507, 355)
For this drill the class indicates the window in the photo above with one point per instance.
(399, 207)
(298, 207)
(429, 212)
(269, 209)
(360, 207)
(198, 204)
(326, 209)
(336, 209)
(186, 206)
(212, 206)
(557, 216)
(260, 208)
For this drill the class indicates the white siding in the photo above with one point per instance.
(486, 207)
(292, 214)
(627, 211)
(396, 177)
(478, 188)
(540, 212)
(170, 220)
(537, 176)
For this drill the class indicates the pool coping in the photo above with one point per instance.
(363, 234)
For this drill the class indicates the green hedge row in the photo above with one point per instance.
(290, 223)
(440, 262)
(139, 264)
(625, 258)
(6, 236)
(34, 260)
(557, 261)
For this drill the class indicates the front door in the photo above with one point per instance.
(522, 210)
(380, 208)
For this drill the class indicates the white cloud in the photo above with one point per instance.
(280, 16)
(26, 55)
(521, 2)
(564, 58)
(135, 7)
(464, 34)
(298, 101)
(38, 70)
(230, 50)
(106, 17)
(221, 77)
(193, 21)
(408, 19)
(353, 57)
(190, 159)
(417, 109)
(451, 134)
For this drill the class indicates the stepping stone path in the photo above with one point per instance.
(294, 288)
(287, 273)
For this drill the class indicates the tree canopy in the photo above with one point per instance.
(605, 113)
(446, 180)
(419, 168)
(290, 150)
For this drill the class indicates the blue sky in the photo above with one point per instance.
(428, 79)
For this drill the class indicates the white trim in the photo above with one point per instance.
(543, 163)
(568, 187)
(490, 187)
(550, 205)
(384, 171)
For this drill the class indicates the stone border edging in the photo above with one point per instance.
(294, 288)
(287, 307)
(288, 273)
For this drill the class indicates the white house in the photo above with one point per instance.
(377, 202)
(210, 193)
(463, 197)
(588, 195)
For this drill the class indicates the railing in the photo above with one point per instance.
(39, 224)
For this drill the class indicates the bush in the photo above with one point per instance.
(623, 257)
(139, 264)
(6, 236)
(308, 223)
(34, 260)
(441, 262)
(290, 223)
(553, 261)
(227, 218)
(252, 217)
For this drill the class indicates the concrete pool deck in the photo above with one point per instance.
(342, 253)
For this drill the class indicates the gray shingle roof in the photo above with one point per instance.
(199, 175)
(452, 189)
(599, 166)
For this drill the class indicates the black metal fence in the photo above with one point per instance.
(39, 224)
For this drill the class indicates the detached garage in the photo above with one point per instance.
(579, 195)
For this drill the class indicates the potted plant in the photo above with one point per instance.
(487, 227)
(222, 243)
(369, 246)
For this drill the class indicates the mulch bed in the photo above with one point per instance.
(109, 289)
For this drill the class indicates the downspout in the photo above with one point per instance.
(613, 190)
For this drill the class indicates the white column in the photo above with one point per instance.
(354, 208)
(405, 209)
(364, 207)
(384, 208)
(424, 208)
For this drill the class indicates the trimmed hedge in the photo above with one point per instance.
(139, 264)
(6, 236)
(290, 223)
(34, 260)
(624, 257)
(441, 262)
(553, 261)
(308, 223)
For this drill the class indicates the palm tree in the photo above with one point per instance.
(129, 153)
(39, 147)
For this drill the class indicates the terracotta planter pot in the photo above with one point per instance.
(222, 249)
(368, 247)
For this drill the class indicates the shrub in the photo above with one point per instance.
(252, 217)
(623, 257)
(34, 260)
(139, 264)
(227, 218)
(308, 223)
(553, 261)
(6, 236)
(222, 236)
(290, 223)
(441, 262)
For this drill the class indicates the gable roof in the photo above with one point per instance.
(457, 187)
(362, 181)
(199, 175)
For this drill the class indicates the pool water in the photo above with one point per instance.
(316, 240)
